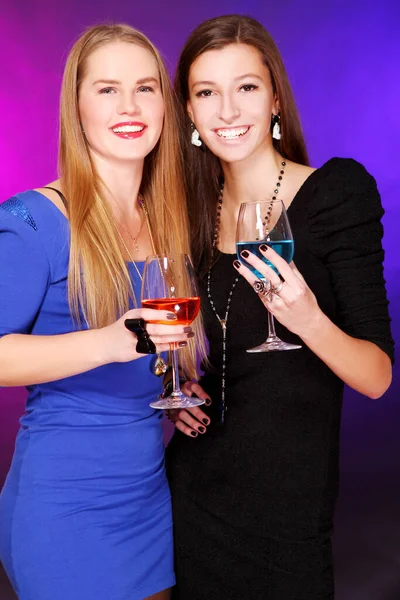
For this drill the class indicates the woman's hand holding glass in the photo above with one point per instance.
(295, 305)
(169, 283)
(119, 344)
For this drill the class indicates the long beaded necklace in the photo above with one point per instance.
(160, 366)
(223, 321)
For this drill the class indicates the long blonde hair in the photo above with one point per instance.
(99, 284)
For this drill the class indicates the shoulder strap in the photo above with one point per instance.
(64, 201)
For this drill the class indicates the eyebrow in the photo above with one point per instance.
(239, 78)
(116, 82)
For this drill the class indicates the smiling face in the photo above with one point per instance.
(120, 102)
(231, 101)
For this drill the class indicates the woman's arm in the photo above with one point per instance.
(359, 363)
(31, 359)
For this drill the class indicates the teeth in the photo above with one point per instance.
(128, 129)
(230, 134)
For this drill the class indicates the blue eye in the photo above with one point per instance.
(204, 94)
(248, 87)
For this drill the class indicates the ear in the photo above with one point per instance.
(275, 107)
(189, 110)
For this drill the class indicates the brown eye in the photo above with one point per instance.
(204, 93)
(248, 87)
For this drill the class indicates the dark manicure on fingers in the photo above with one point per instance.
(182, 344)
(194, 433)
(190, 335)
(206, 421)
(171, 317)
(236, 263)
(201, 429)
(244, 253)
(187, 329)
(264, 248)
(207, 402)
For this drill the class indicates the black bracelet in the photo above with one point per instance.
(168, 387)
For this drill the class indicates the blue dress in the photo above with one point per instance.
(85, 513)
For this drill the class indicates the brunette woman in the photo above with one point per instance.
(253, 498)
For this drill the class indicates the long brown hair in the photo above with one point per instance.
(99, 284)
(203, 169)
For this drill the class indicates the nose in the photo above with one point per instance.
(128, 104)
(229, 111)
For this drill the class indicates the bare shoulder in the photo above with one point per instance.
(52, 195)
(295, 177)
(300, 172)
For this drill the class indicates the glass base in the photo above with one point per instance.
(176, 401)
(273, 344)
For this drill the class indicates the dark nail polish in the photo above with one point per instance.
(244, 253)
(208, 402)
(206, 421)
(263, 247)
(201, 429)
(190, 335)
(194, 433)
(236, 263)
(171, 317)
(182, 344)
(187, 329)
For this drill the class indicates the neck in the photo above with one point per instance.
(122, 183)
(252, 179)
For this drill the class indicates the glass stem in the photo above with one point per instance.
(176, 389)
(271, 326)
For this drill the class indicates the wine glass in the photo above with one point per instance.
(267, 223)
(169, 283)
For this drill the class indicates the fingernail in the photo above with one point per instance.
(244, 253)
(171, 317)
(190, 335)
(264, 248)
(206, 421)
(182, 344)
(237, 264)
(201, 429)
(194, 433)
(207, 402)
(187, 329)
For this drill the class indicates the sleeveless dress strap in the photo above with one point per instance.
(64, 201)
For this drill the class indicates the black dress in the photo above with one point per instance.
(253, 499)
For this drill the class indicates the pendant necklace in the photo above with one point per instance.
(223, 321)
(160, 366)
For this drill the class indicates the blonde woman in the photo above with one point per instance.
(85, 512)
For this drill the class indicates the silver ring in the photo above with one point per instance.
(261, 287)
(276, 290)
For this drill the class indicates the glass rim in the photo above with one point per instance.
(253, 202)
(168, 255)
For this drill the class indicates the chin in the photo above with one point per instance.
(233, 155)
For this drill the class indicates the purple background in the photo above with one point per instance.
(342, 58)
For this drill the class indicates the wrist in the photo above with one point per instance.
(316, 327)
(101, 346)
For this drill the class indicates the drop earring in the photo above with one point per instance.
(195, 139)
(276, 130)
